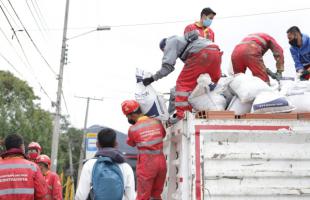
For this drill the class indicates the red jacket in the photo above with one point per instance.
(54, 185)
(203, 32)
(21, 179)
(267, 42)
(147, 134)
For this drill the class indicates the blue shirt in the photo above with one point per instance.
(301, 55)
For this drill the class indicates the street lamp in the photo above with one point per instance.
(99, 28)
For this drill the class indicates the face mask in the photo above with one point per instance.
(132, 122)
(207, 22)
(33, 155)
(294, 42)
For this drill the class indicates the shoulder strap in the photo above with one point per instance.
(183, 51)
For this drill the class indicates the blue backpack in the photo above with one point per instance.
(107, 180)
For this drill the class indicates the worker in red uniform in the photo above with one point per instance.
(147, 134)
(51, 178)
(203, 26)
(200, 56)
(249, 54)
(34, 150)
(20, 179)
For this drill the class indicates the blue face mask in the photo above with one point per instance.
(207, 22)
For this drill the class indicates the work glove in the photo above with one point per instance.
(278, 75)
(304, 74)
(148, 81)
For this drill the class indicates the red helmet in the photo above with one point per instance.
(44, 159)
(130, 106)
(35, 145)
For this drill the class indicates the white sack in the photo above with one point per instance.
(202, 99)
(248, 87)
(271, 102)
(151, 103)
(238, 107)
(301, 102)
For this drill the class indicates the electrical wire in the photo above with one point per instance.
(7, 11)
(24, 53)
(11, 65)
(34, 44)
(65, 102)
(181, 21)
(39, 13)
(34, 18)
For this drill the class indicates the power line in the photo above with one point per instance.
(36, 47)
(39, 13)
(65, 102)
(24, 53)
(7, 11)
(4, 58)
(34, 18)
(180, 21)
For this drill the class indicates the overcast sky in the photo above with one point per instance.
(102, 64)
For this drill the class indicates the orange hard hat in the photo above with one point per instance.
(130, 106)
(44, 159)
(35, 145)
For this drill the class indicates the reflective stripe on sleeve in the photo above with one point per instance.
(152, 152)
(149, 143)
(17, 191)
(143, 125)
(18, 166)
(182, 94)
(262, 40)
(182, 104)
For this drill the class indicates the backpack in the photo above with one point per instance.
(107, 180)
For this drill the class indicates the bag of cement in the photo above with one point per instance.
(208, 102)
(151, 104)
(238, 107)
(171, 106)
(247, 87)
(290, 87)
(202, 99)
(271, 102)
(301, 102)
(223, 88)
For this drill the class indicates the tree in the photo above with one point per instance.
(19, 114)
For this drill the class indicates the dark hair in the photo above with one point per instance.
(293, 29)
(207, 11)
(106, 137)
(13, 141)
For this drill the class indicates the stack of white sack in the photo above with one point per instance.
(298, 93)
(255, 96)
(151, 103)
(203, 99)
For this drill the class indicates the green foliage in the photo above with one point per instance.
(19, 114)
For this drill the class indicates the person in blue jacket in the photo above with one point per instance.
(300, 50)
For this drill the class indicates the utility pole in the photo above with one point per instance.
(82, 150)
(70, 157)
(56, 130)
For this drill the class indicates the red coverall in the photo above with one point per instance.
(147, 134)
(203, 32)
(249, 53)
(54, 185)
(207, 60)
(21, 179)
